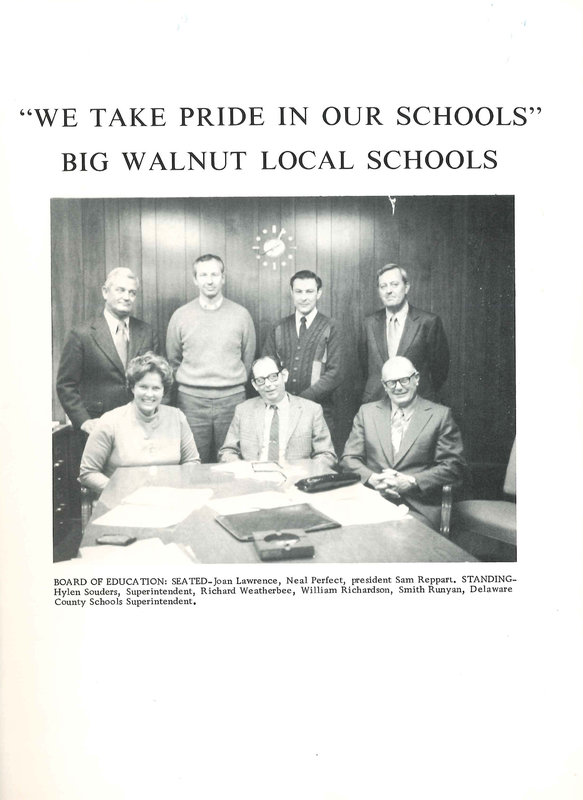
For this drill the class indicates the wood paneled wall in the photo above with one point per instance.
(459, 252)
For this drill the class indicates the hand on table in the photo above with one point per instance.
(391, 483)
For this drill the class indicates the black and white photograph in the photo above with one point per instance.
(290, 420)
(385, 326)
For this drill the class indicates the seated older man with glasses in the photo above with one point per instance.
(404, 446)
(277, 426)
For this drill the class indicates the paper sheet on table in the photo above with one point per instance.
(167, 496)
(145, 552)
(250, 502)
(244, 469)
(353, 505)
(155, 507)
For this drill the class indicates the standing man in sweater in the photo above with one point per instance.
(309, 345)
(211, 345)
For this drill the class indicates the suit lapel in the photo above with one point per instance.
(259, 421)
(382, 422)
(135, 339)
(102, 338)
(409, 331)
(421, 416)
(295, 412)
(380, 334)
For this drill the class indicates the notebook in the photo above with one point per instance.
(297, 517)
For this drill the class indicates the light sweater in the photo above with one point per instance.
(211, 350)
(125, 437)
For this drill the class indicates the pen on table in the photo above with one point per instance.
(324, 526)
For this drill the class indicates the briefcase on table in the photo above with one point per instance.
(332, 480)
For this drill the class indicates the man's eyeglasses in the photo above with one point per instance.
(271, 378)
(403, 381)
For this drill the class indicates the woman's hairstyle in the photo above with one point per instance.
(149, 362)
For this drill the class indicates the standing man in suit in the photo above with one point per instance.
(309, 345)
(277, 426)
(405, 446)
(210, 345)
(91, 377)
(399, 329)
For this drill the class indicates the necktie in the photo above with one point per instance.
(303, 328)
(121, 343)
(273, 448)
(397, 425)
(393, 336)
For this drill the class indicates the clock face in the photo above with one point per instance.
(271, 246)
(274, 248)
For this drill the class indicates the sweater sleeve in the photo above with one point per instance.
(174, 343)
(95, 457)
(249, 342)
(188, 449)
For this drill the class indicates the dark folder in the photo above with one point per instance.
(298, 517)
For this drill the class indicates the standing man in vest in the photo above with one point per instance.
(399, 329)
(309, 345)
(211, 345)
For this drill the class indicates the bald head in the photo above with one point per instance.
(397, 367)
(400, 379)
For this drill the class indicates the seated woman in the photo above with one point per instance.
(141, 433)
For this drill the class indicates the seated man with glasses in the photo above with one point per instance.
(404, 446)
(277, 426)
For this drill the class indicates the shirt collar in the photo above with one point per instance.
(407, 412)
(309, 317)
(208, 306)
(283, 402)
(400, 315)
(113, 322)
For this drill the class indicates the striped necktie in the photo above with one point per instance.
(303, 328)
(121, 342)
(397, 426)
(393, 336)
(273, 448)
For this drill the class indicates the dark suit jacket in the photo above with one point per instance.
(423, 342)
(431, 451)
(91, 378)
(308, 434)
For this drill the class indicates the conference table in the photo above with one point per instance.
(404, 540)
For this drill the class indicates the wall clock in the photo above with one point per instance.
(271, 246)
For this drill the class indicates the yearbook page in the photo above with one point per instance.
(174, 166)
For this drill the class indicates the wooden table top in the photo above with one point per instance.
(406, 540)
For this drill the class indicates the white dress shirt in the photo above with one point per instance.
(309, 319)
(407, 414)
(113, 322)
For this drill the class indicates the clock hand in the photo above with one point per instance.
(269, 249)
